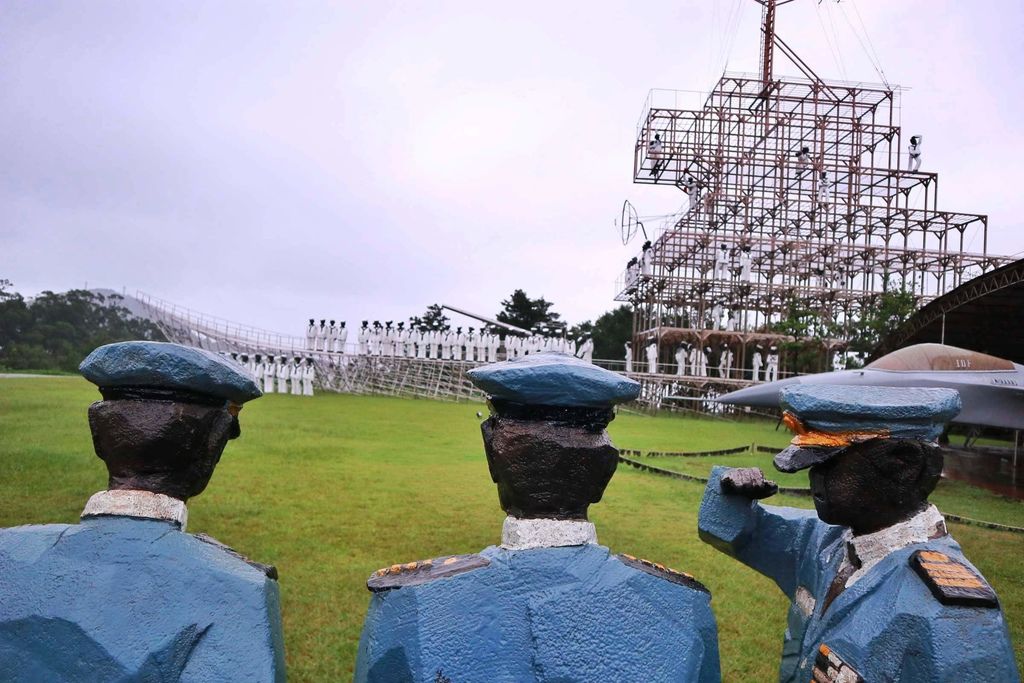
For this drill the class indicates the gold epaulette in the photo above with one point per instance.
(423, 571)
(662, 572)
(952, 582)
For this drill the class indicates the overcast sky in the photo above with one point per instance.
(272, 161)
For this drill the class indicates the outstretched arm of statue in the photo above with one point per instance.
(771, 540)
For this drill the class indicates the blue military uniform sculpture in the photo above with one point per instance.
(549, 603)
(127, 595)
(880, 591)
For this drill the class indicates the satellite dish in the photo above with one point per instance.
(628, 222)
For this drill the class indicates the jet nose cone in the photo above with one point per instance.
(759, 395)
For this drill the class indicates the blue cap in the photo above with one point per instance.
(554, 379)
(159, 365)
(827, 418)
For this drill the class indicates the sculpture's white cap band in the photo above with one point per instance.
(521, 534)
(142, 504)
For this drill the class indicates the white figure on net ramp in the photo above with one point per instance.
(756, 361)
(722, 262)
(824, 188)
(803, 161)
(342, 337)
(311, 335)
(681, 360)
(655, 149)
(746, 264)
(320, 337)
(283, 373)
(586, 350)
(771, 370)
(725, 362)
(363, 339)
(692, 190)
(332, 337)
(629, 356)
(308, 375)
(296, 375)
(652, 357)
(914, 151)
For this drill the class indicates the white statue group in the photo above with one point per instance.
(279, 374)
(691, 360)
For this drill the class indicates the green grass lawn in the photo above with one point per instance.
(331, 488)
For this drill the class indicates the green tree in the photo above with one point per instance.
(889, 311)
(433, 318)
(522, 311)
(611, 331)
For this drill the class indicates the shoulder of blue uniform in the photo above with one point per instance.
(907, 412)
(951, 581)
(554, 379)
(423, 571)
(268, 569)
(162, 365)
(662, 572)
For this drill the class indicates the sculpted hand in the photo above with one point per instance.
(748, 482)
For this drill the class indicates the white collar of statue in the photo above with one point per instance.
(523, 534)
(141, 504)
(874, 547)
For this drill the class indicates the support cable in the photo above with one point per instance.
(869, 52)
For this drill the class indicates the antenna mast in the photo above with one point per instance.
(768, 37)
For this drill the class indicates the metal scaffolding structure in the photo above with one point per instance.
(799, 195)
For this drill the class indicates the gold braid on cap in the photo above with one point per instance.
(808, 437)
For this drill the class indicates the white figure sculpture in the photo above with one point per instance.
(756, 361)
(257, 371)
(647, 260)
(694, 360)
(746, 265)
(838, 363)
(654, 151)
(320, 336)
(692, 190)
(722, 262)
(914, 150)
(725, 362)
(681, 360)
(332, 338)
(460, 343)
(401, 337)
(363, 338)
(586, 350)
(284, 373)
(716, 316)
(803, 161)
(342, 337)
(296, 376)
(730, 322)
(824, 188)
(629, 356)
(388, 340)
(771, 370)
(308, 375)
(632, 271)
(269, 375)
(311, 335)
(652, 357)
(702, 360)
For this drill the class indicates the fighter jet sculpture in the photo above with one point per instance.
(991, 389)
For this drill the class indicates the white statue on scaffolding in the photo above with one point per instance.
(321, 336)
(586, 350)
(332, 337)
(914, 150)
(746, 264)
(363, 339)
(756, 361)
(722, 262)
(681, 353)
(702, 362)
(694, 360)
(308, 375)
(824, 188)
(771, 369)
(296, 376)
(647, 260)
(342, 337)
(692, 190)
(716, 316)
(311, 335)
(654, 152)
(725, 362)
(730, 322)
(652, 357)
(803, 161)
(629, 356)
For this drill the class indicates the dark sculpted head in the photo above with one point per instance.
(167, 413)
(875, 484)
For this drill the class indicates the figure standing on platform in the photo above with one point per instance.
(803, 161)
(647, 260)
(284, 373)
(878, 589)
(296, 376)
(838, 364)
(629, 356)
(703, 359)
(914, 151)
(321, 336)
(756, 361)
(460, 343)
(654, 152)
(652, 356)
(126, 594)
(269, 376)
(586, 350)
(311, 335)
(342, 337)
(722, 263)
(824, 188)
(694, 360)
(725, 362)
(308, 375)
(746, 264)
(730, 321)
(257, 372)
(692, 190)
(681, 360)
(771, 368)
(363, 338)
(716, 315)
